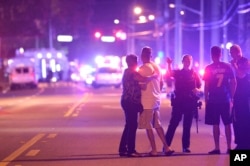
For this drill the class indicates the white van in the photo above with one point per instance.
(22, 77)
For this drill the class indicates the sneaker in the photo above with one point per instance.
(214, 152)
(169, 152)
(186, 150)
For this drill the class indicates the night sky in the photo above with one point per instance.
(105, 11)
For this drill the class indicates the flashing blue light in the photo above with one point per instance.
(160, 54)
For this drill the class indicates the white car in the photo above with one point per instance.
(22, 76)
(107, 76)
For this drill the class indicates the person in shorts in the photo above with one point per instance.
(151, 100)
(220, 85)
(131, 105)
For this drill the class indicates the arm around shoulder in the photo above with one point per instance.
(141, 78)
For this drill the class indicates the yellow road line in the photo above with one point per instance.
(33, 152)
(51, 135)
(19, 151)
(72, 109)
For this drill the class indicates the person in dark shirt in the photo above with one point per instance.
(236, 54)
(241, 107)
(131, 105)
(184, 101)
(220, 84)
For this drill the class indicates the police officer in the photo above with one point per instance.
(241, 107)
(184, 101)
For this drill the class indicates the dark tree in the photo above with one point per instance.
(27, 23)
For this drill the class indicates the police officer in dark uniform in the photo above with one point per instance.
(241, 107)
(183, 101)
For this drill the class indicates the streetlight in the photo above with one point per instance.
(137, 10)
(137, 17)
(131, 29)
(178, 31)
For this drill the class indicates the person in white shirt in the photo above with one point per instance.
(151, 100)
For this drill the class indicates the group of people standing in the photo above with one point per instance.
(226, 92)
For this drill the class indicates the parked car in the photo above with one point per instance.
(106, 76)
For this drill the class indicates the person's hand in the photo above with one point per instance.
(196, 91)
(169, 61)
(234, 64)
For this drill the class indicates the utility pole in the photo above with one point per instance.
(201, 33)
(50, 35)
(241, 24)
(2, 62)
(215, 33)
(178, 34)
(131, 29)
(225, 51)
(166, 28)
(157, 23)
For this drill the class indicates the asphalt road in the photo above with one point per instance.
(67, 124)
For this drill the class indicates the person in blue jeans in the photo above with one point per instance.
(131, 105)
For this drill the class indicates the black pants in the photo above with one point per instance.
(241, 126)
(186, 110)
(127, 143)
